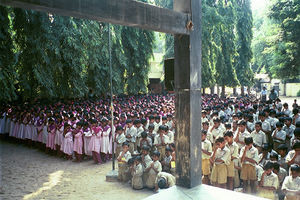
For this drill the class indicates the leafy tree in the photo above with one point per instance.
(286, 13)
(244, 37)
(7, 58)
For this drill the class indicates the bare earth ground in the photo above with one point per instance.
(31, 174)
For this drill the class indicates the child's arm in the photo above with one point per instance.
(213, 157)
(206, 152)
(292, 161)
(244, 154)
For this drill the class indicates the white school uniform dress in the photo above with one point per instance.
(33, 126)
(87, 138)
(105, 141)
(45, 134)
(11, 129)
(59, 136)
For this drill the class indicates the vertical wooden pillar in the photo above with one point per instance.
(187, 75)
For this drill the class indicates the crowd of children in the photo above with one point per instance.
(254, 145)
(245, 142)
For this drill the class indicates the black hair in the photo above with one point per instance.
(276, 166)
(296, 145)
(146, 148)
(156, 153)
(258, 123)
(162, 183)
(220, 140)
(144, 134)
(138, 158)
(279, 124)
(295, 168)
(169, 149)
(125, 144)
(204, 132)
(248, 140)
(268, 165)
(119, 128)
(228, 125)
(274, 155)
(228, 134)
(151, 126)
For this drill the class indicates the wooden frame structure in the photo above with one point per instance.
(185, 23)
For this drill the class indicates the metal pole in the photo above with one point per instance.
(111, 98)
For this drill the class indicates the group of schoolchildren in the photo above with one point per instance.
(142, 134)
(254, 145)
(245, 142)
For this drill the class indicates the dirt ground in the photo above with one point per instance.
(27, 173)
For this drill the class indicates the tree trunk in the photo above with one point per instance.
(218, 90)
(249, 91)
(242, 91)
(212, 90)
(234, 91)
(203, 90)
(223, 91)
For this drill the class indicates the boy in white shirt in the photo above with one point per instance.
(249, 159)
(291, 184)
(220, 159)
(279, 135)
(206, 153)
(268, 183)
(259, 137)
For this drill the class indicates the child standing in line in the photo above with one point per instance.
(78, 141)
(51, 135)
(68, 141)
(130, 133)
(145, 140)
(249, 159)
(146, 161)
(160, 141)
(137, 174)
(123, 158)
(166, 162)
(59, 135)
(94, 145)
(206, 153)
(119, 139)
(86, 139)
(105, 140)
(268, 183)
(220, 159)
(279, 135)
(153, 170)
(234, 152)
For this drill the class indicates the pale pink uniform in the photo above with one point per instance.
(78, 143)
(68, 143)
(51, 137)
(95, 142)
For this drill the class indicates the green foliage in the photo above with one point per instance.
(7, 58)
(276, 43)
(64, 57)
(244, 37)
(298, 93)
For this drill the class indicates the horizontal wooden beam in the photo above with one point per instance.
(122, 12)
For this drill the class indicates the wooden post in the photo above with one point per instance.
(187, 72)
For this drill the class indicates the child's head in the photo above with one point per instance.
(268, 167)
(297, 133)
(274, 156)
(145, 149)
(242, 125)
(205, 125)
(151, 127)
(144, 134)
(129, 123)
(157, 119)
(66, 126)
(282, 150)
(248, 141)
(119, 129)
(172, 146)
(204, 134)
(162, 183)
(295, 170)
(137, 160)
(168, 151)
(228, 126)
(217, 122)
(279, 125)
(228, 136)
(276, 167)
(220, 142)
(137, 123)
(296, 146)
(161, 129)
(131, 161)
(262, 116)
(155, 155)
(125, 146)
(288, 121)
(164, 119)
(258, 126)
